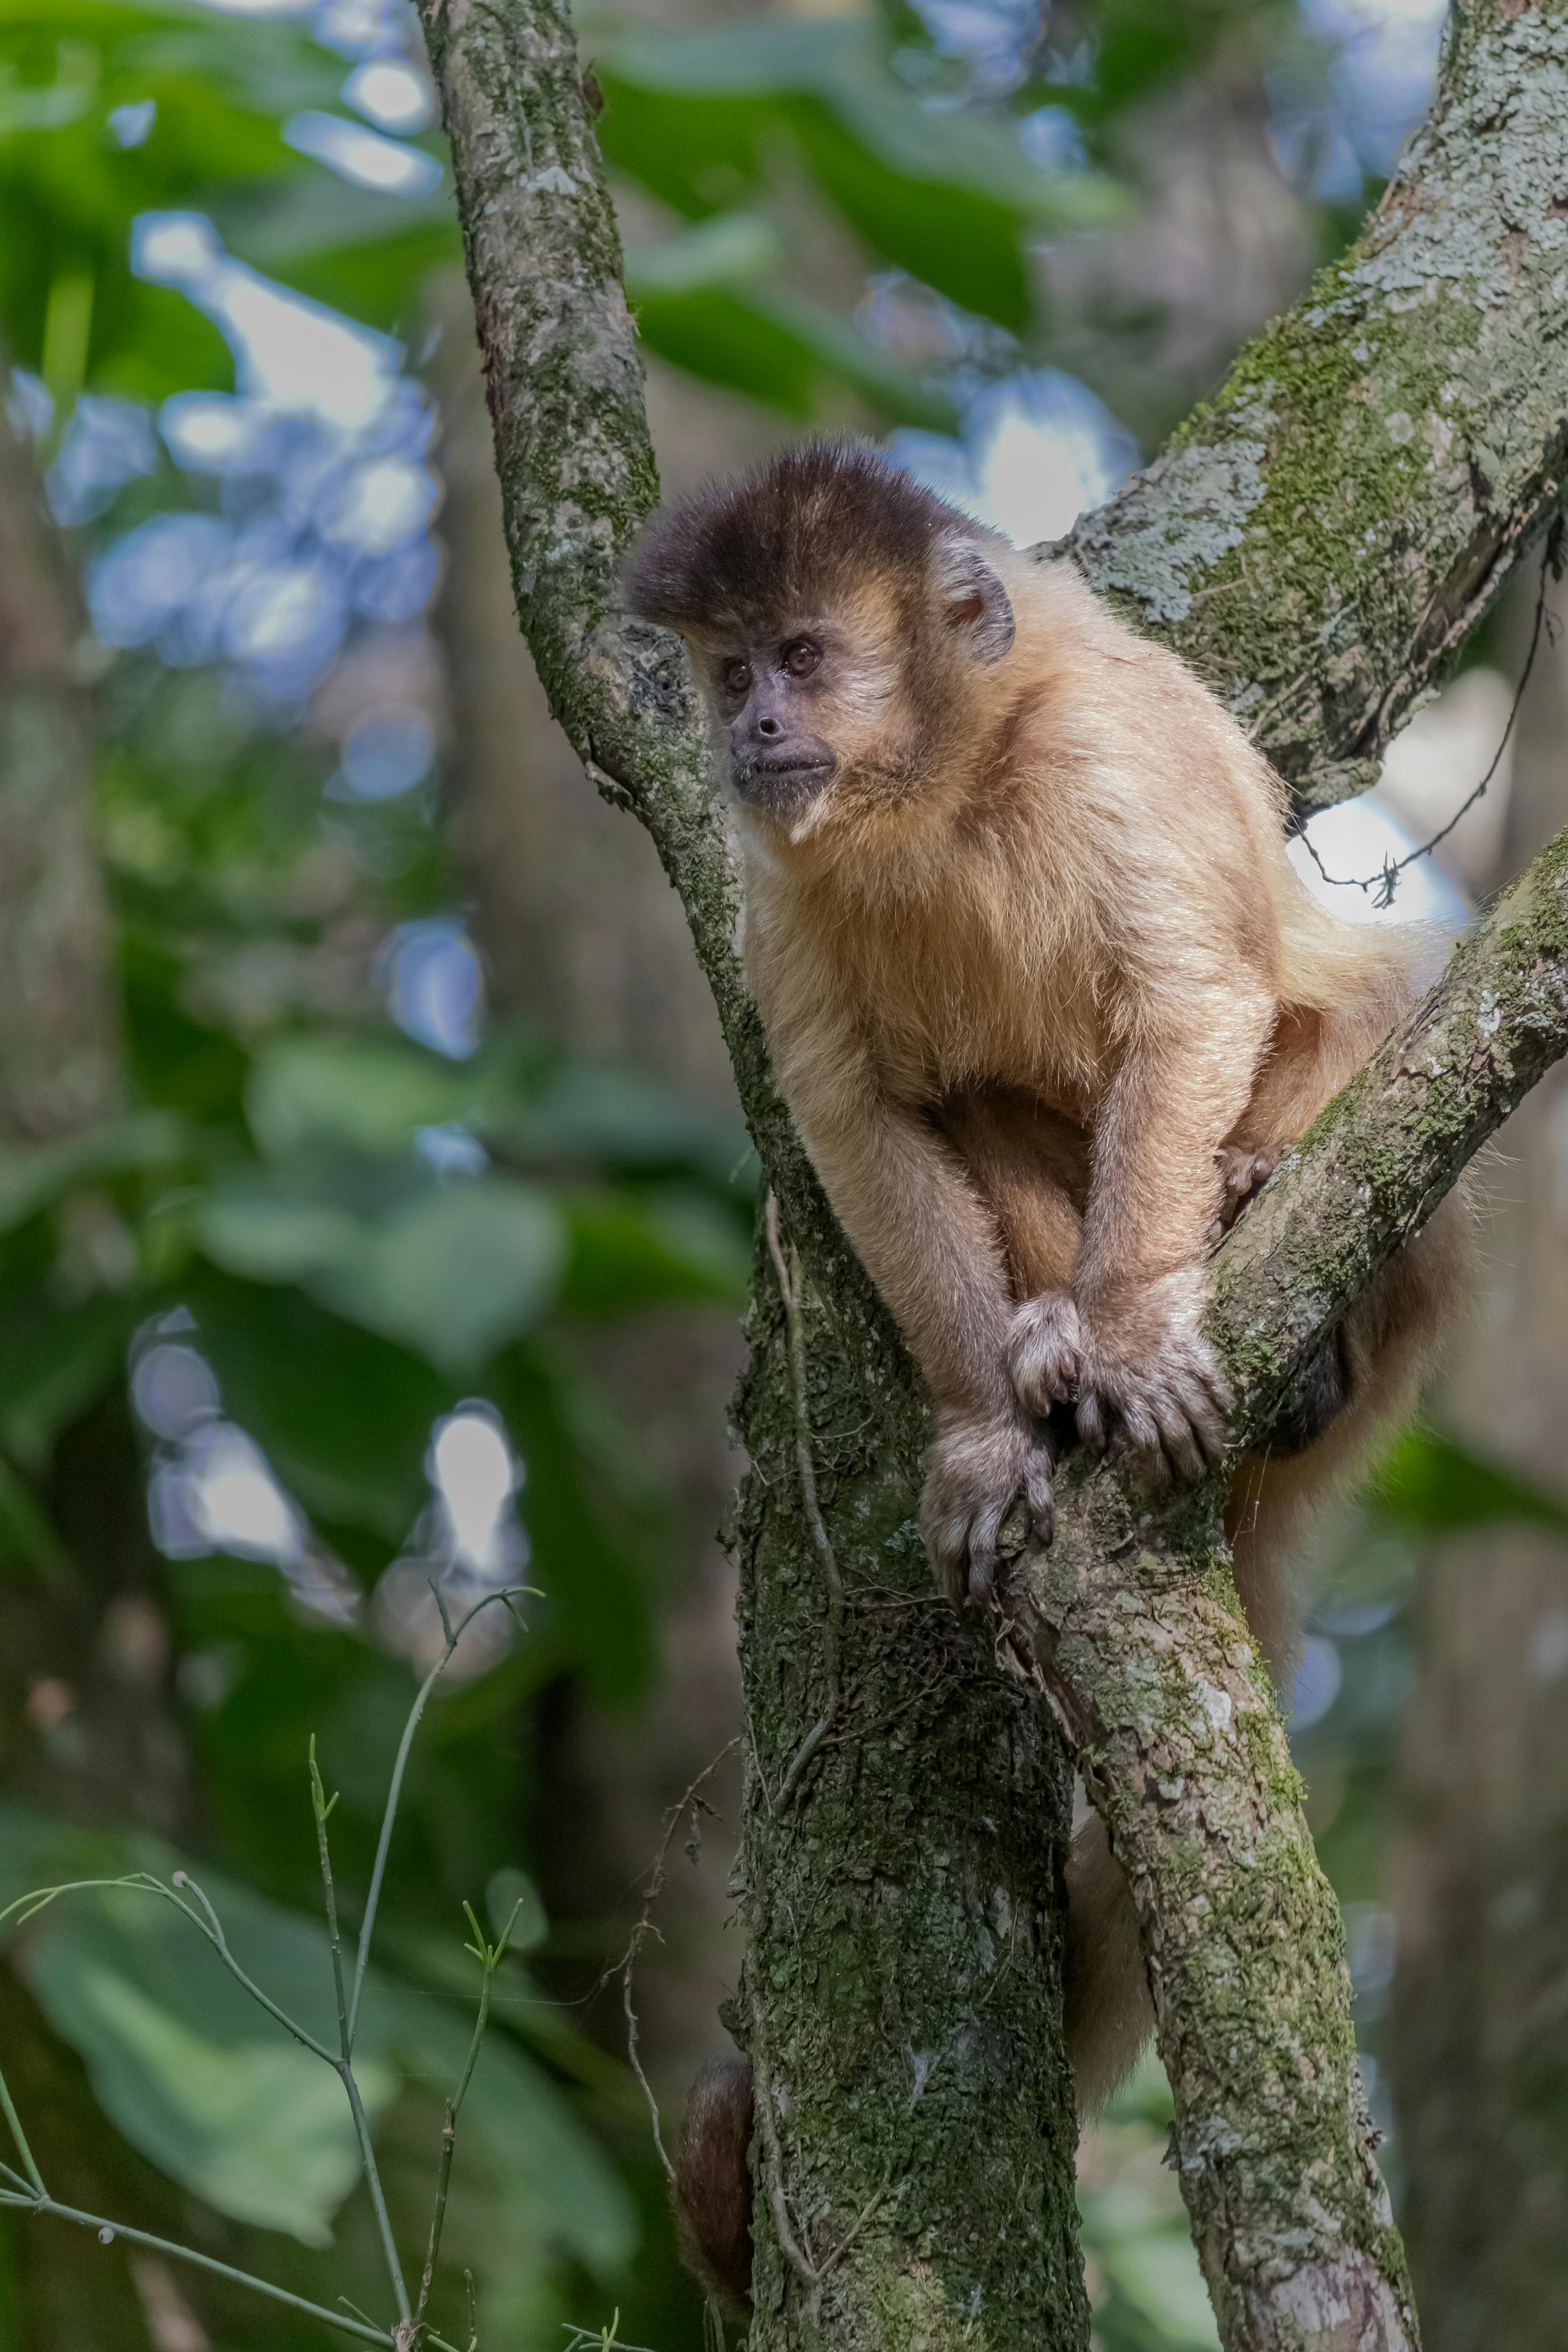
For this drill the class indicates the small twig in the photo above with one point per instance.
(798, 1762)
(789, 1291)
(395, 1791)
(807, 2271)
(20, 2137)
(842, 2248)
(31, 2196)
(363, 2330)
(489, 1958)
(322, 1806)
(691, 1802)
(437, 2219)
(1385, 882)
(206, 1922)
(599, 2339)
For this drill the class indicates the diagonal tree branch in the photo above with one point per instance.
(1320, 538)
(1391, 1142)
(1316, 541)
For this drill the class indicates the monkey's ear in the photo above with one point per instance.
(973, 601)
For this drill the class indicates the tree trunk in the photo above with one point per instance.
(59, 1038)
(1356, 491)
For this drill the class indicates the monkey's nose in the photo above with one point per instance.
(768, 729)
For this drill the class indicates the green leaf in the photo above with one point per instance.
(37, 1178)
(590, 1532)
(28, 1541)
(948, 198)
(54, 1361)
(731, 249)
(371, 1093)
(245, 2118)
(69, 192)
(1436, 1486)
(783, 348)
(358, 251)
(452, 1268)
(584, 1116)
(628, 1252)
(217, 2095)
(344, 1417)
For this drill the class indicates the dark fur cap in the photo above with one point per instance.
(811, 523)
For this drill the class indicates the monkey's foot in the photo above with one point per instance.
(978, 1467)
(1044, 1350)
(1241, 1174)
(1151, 1385)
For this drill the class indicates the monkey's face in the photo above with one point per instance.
(777, 696)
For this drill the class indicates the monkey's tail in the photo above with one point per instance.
(711, 2190)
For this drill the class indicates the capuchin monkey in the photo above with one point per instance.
(1046, 1000)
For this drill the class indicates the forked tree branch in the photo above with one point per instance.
(1316, 541)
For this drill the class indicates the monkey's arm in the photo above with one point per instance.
(1139, 1282)
(930, 1245)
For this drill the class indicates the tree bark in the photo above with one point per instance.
(1316, 540)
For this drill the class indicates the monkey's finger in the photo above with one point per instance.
(1040, 1501)
(1178, 1437)
(983, 1533)
(1141, 1437)
(945, 1530)
(951, 1553)
(1092, 1426)
(1205, 1415)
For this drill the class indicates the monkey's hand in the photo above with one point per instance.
(1150, 1383)
(1045, 1349)
(980, 1464)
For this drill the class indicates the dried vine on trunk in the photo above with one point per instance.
(1316, 540)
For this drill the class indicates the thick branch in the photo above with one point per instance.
(1320, 538)
(1316, 541)
(1390, 1145)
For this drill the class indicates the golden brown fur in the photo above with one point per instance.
(1038, 978)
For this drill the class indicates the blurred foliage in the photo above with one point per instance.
(354, 1234)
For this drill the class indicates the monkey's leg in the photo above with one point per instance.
(930, 1245)
(1032, 1167)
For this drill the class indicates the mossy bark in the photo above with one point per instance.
(1320, 538)
(905, 1796)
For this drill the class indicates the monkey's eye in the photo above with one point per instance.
(737, 675)
(801, 659)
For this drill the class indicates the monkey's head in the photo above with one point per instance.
(833, 608)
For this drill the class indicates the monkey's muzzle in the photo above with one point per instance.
(782, 780)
